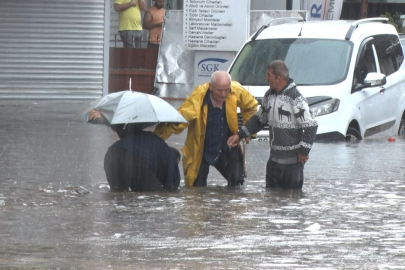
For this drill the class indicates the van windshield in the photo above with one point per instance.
(310, 61)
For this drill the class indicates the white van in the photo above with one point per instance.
(351, 72)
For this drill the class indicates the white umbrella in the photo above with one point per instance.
(127, 107)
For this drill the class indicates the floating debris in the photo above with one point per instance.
(313, 227)
(118, 235)
(81, 190)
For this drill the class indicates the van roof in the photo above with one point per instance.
(326, 29)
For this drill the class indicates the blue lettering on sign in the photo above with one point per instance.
(209, 67)
(210, 64)
(315, 8)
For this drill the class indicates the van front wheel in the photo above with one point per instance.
(352, 135)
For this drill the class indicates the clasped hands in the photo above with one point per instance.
(234, 140)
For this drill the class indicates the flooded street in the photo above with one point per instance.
(56, 209)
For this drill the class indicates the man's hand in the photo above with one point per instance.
(233, 140)
(301, 158)
(122, 7)
(95, 115)
(246, 140)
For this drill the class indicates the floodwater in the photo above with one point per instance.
(57, 212)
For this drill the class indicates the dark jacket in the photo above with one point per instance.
(141, 162)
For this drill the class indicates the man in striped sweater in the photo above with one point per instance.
(292, 129)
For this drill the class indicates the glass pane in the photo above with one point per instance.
(385, 54)
(310, 61)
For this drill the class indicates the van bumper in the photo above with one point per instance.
(330, 137)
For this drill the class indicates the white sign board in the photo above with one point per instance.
(324, 9)
(206, 63)
(216, 25)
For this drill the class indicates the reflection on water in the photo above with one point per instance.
(56, 210)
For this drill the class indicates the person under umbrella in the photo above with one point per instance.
(140, 161)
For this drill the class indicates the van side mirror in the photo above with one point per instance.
(375, 79)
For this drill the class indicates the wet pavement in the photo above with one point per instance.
(57, 212)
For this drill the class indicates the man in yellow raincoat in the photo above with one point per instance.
(212, 117)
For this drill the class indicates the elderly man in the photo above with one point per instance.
(211, 114)
(292, 129)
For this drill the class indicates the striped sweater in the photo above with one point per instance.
(292, 126)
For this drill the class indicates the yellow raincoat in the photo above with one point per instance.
(195, 112)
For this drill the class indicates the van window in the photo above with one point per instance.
(310, 61)
(402, 40)
(365, 65)
(389, 53)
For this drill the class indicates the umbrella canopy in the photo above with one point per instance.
(126, 107)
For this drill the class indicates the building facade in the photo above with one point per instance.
(60, 49)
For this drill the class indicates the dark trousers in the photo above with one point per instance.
(286, 176)
(125, 170)
(230, 167)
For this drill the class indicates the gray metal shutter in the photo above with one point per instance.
(51, 48)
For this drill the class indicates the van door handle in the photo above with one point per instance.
(382, 90)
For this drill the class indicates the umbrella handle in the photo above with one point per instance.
(244, 159)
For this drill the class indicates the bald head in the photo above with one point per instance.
(220, 77)
(220, 86)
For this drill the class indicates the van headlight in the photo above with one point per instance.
(325, 107)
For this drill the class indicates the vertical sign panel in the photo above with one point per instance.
(216, 25)
(324, 9)
(206, 63)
